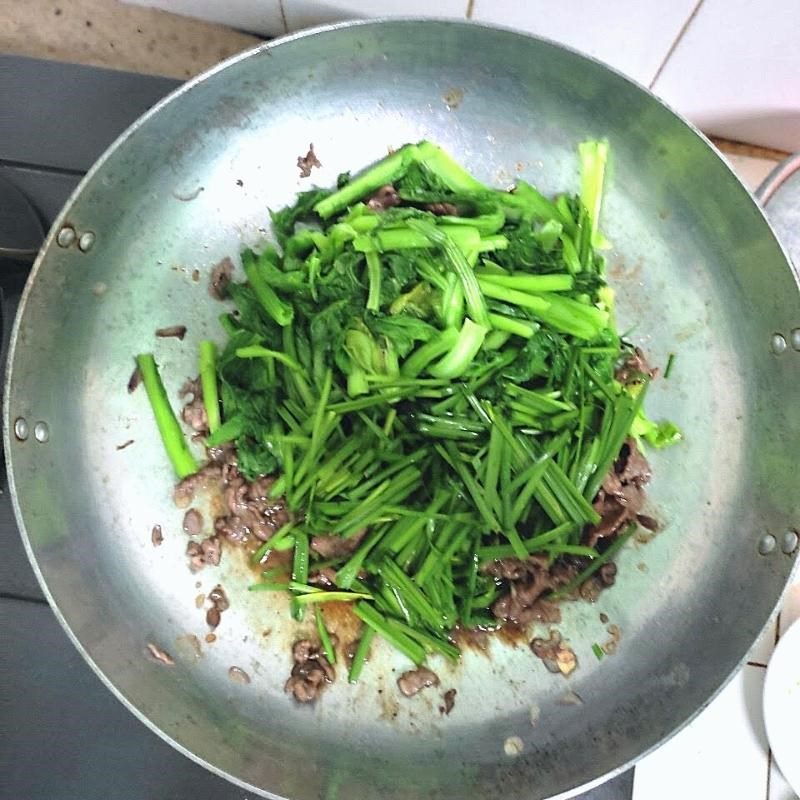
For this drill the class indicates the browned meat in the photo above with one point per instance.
(442, 209)
(173, 331)
(528, 580)
(160, 655)
(621, 495)
(193, 522)
(647, 522)
(194, 412)
(449, 700)
(134, 380)
(212, 550)
(415, 680)
(385, 197)
(221, 276)
(156, 536)
(337, 546)
(311, 672)
(635, 368)
(218, 597)
(324, 578)
(546, 611)
(213, 617)
(251, 511)
(184, 492)
(307, 162)
(555, 654)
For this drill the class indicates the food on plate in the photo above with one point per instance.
(422, 408)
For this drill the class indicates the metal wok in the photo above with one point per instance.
(697, 271)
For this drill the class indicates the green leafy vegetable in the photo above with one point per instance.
(434, 384)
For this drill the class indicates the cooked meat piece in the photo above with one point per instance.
(385, 197)
(442, 209)
(324, 578)
(125, 444)
(183, 492)
(555, 654)
(632, 466)
(218, 597)
(449, 699)
(311, 672)
(415, 680)
(337, 546)
(223, 454)
(173, 331)
(193, 522)
(607, 574)
(194, 412)
(546, 611)
(307, 162)
(221, 276)
(529, 579)
(196, 558)
(635, 368)
(134, 380)
(251, 512)
(212, 550)
(156, 536)
(621, 495)
(162, 656)
(647, 522)
(213, 617)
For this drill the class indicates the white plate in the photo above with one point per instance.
(782, 705)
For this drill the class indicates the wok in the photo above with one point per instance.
(697, 272)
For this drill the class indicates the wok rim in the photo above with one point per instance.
(87, 180)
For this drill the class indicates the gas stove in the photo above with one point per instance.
(64, 734)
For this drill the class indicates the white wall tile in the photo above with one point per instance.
(632, 35)
(253, 16)
(304, 13)
(722, 754)
(735, 71)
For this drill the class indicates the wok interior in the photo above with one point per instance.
(697, 272)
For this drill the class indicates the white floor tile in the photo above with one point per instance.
(762, 649)
(305, 13)
(631, 35)
(722, 754)
(751, 170)
(734, 72)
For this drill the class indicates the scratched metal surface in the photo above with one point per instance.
(697, 271)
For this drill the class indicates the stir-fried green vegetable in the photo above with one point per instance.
(444, 381)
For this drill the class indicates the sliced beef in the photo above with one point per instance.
(385, 197)
(324, 578)
(555, 654)
(184, 492)
(173, 331)
(634, 368)
(528, 579)
(442, 209)
(209, 551)
(337, 546)
(415, 680)
(311, 672)
(448, 700)
(221, 276)
(307, 162)
(193, 522)
(250, 511)
(621, 495)
(194, 412)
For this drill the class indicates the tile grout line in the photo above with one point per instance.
(470, 9)
(674, 45)
(283, 16)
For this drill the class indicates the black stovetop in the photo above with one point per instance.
(63, 735)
